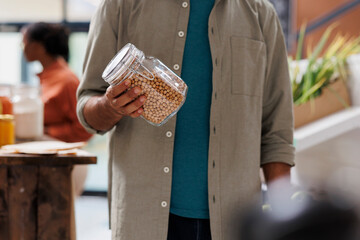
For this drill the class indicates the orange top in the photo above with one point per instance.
(59, 85)
(6, 105)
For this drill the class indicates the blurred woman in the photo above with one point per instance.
(48, 44)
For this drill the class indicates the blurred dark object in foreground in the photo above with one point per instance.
(333, 217)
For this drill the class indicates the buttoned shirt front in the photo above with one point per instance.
(251, 109)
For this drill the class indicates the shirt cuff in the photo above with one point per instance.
(80, 108)
(282, 154)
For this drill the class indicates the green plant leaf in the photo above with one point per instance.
(320, 72)
(300, 41)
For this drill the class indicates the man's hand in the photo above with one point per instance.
(273, 171)
(125, 101)
(277, 178)
(103, 112)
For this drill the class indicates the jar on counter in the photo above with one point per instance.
(164, 90)
(28, 112)
(6, 107)
(7, 129)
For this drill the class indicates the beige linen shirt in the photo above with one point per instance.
(251, 110)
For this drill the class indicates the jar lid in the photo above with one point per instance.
(121, 62)
(6, 117)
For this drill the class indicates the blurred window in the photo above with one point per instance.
(10, 58)
(77, 44)
(13, 67)
(14, 14)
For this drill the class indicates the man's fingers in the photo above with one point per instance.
(126, 101)
(137, 113)
(114, 91)
(126, 98)
(134, 106)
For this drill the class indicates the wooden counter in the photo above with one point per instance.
(36, 196)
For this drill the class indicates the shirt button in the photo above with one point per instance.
(184, 4)
(166, 169)
(176, 67)
(181, 34)
(169, 134)
(164, 204)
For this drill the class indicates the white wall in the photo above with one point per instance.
(46, 10)
(30, 10)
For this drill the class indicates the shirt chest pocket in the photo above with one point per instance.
(248, 66)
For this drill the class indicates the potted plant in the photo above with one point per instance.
(318, 83)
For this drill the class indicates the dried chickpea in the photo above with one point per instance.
(162, 99)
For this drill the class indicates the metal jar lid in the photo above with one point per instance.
(121, 63)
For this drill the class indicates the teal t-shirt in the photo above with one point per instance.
(189, 194)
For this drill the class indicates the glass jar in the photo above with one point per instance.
(28, 112)
(164, 90)
(7, 129)
(6, 107)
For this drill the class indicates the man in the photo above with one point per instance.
(188, 178)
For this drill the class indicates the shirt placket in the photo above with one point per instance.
(181, 29)
(215, 130)
(168, 130)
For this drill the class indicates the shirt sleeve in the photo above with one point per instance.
(101, 47)
(277, 117)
